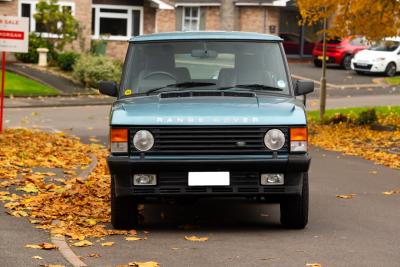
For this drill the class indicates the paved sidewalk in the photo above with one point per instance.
(358, 101)
(60, 101)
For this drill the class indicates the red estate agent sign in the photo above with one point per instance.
(14, 37)
(11, 35)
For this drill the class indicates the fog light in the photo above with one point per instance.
(144, 179)
(117, 147)
(298, 146)
(272, 179)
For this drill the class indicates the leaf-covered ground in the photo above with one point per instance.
(380, 144)
(80, 207)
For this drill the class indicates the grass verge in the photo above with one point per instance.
(18, 85)
(372, 142)
(393, 80)
(354, 112)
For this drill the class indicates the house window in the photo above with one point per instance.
(27, 9)
(191, 19)
(116, 22)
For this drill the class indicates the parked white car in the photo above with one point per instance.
(381, 57)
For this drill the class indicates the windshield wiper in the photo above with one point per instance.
(254, 87)
(180, 85)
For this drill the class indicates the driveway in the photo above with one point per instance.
(363, 231)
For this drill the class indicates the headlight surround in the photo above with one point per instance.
(143, 140)
(274, 139)
(299, 140)
(119, 140)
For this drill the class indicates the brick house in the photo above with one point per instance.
(117, 20)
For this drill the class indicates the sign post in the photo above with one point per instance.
(14, 37)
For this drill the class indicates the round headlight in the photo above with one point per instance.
(143, 140)
(274, 139)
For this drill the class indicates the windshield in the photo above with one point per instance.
(385, 46)
(204, 65)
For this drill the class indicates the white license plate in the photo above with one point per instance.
(362, 64)
(209, 179)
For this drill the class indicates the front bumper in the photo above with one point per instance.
(377, 67)
(172, 176)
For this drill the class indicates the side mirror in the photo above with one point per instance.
(108, 88)
(303, 87)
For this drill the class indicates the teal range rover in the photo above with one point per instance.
(208, 114)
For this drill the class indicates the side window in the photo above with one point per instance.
(116, 23)
(357, 41)
(191, 19)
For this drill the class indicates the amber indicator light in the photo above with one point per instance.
(298, 134)
(119, 135)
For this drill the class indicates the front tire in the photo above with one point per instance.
(390, 70)
(346, 62)
(317, 63)
(124, 210)
(294, 210)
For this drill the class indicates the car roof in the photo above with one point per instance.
(206, 35)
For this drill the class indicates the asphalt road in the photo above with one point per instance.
(363, 231)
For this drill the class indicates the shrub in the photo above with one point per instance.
(338, 118)
(35, 42)
(367, 117)
(90, 70)
(67, 60)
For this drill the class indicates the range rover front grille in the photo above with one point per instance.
(208, 140)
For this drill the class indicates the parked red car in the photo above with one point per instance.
(291, 43)
(339, 51)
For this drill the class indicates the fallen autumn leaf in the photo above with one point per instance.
(48, 246)
(144, 264)
(133, 238)
(196, 239)
(346, 196)
(33, 246)
(45, 246)
(83, 243)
